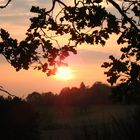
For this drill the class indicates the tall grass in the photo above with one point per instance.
(117, 129)
(109, 126)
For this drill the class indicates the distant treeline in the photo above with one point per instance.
(99, 93)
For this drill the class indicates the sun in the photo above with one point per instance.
(64, 73)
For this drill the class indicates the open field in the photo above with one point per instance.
(95, 123)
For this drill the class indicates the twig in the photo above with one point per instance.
(124, 15)
(5, 4)
(53, 5)
(7, 92)
(50, 37)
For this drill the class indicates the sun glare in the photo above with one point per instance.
(64, 73)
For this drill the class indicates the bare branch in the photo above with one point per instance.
(62, 3)
(124, 15)
(50, 37)
(7, 92)
(53, 5)
(5, 4)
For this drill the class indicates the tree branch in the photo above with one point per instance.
(124, 15)
(7, 92)
(59, 1)
(5, 4)
(53, 5)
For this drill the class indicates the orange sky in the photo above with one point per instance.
(85, 65)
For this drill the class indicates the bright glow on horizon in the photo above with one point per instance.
(64, 73)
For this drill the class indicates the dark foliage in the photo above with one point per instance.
(126, 94)
(18, 121)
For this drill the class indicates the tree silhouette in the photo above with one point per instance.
(101, 93)
(84, 21)
(34, 97)
(82, 86)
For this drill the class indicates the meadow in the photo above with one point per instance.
(116, 122)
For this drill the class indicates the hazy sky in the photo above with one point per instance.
(85, 65)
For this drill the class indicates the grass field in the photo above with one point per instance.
(95, 123)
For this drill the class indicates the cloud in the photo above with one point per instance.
(15, 17)
(19, 10)
(94, 55)
(87, 57)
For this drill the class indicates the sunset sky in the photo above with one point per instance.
(85, 66)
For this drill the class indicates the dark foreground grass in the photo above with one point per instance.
(95, 123)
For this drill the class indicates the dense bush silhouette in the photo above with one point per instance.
(18, 121)
(126, 94)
